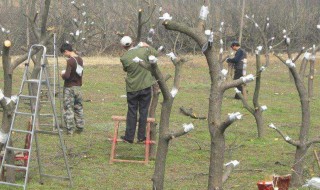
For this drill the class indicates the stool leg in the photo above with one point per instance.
(147, 144)
(114, 141)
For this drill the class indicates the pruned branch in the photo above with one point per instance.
(189, 112)
(186, 128)
(286, 138)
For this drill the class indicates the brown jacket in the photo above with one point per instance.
(70, 77)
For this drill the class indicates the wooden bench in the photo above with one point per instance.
(117, 120)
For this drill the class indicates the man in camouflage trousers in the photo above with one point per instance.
(72, 96)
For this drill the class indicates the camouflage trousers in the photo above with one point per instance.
(73, 109)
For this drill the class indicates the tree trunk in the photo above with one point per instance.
(163, 143)
(299, 161)
(152, 114)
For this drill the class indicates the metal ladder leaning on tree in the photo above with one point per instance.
(30, 90)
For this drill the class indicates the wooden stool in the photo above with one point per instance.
(117, 120)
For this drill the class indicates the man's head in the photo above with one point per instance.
(126, 41)
(235, 45)
(66, 49)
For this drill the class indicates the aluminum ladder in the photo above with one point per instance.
(30, 90)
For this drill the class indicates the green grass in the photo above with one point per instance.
(188, 158)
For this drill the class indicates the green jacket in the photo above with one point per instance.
(138, 78)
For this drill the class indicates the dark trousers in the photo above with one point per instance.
(137, 100)
(237, 74)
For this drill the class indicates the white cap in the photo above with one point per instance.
(126, 41)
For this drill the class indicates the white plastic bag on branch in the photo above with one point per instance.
(204, 11)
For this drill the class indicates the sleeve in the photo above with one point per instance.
(237, 58)
(66, 75)
(123, 65)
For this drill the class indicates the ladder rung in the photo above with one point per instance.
(49, 55)
(13, 184)
(21, 131)
(46, 115)
(15, 167)
(34, 81)
(24, 113)
(27, 96)
(47, 132)
(18, 149)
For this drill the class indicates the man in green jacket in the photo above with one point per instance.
(138, 86)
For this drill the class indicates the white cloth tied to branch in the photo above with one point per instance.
(272, 126)
(187, 127)
(152, 59)
(290, 64)
(234, 116)
(165, 16)
(174, 92)
(204, 11)
(233, 162)
(136, 60)
(3, 137)
(172, 55)
(248, 78)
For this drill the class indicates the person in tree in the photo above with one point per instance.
(239, 61)
(72, 95)
(138, 87)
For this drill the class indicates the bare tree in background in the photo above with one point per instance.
(303, 143)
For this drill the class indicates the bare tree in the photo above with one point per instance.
(302, 144)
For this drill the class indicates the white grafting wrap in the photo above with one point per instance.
(152, 59)
(233, 162)
(204, 11)
(3, 137)
(256, 25)
(1, 95)
(248, 78)
(207, 32)
(307, 55)
(288, 138)
(290, 64)
(63, 71)
(312, 58)
(210, 39)
(237, 90)
(174, 92)
(221, 50)
(234, 116)
(271, 125)
(224, 72)
(318, 26)
(264, 108)
(288, 40)
(136, 60)
(172, 55)
(187, 127)
(165, 16)
(313, 182)
(160, 48)
(262, 68)
(14, 98)
(221, 42)
(8, 100)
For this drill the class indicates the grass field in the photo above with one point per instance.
(188, 158)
